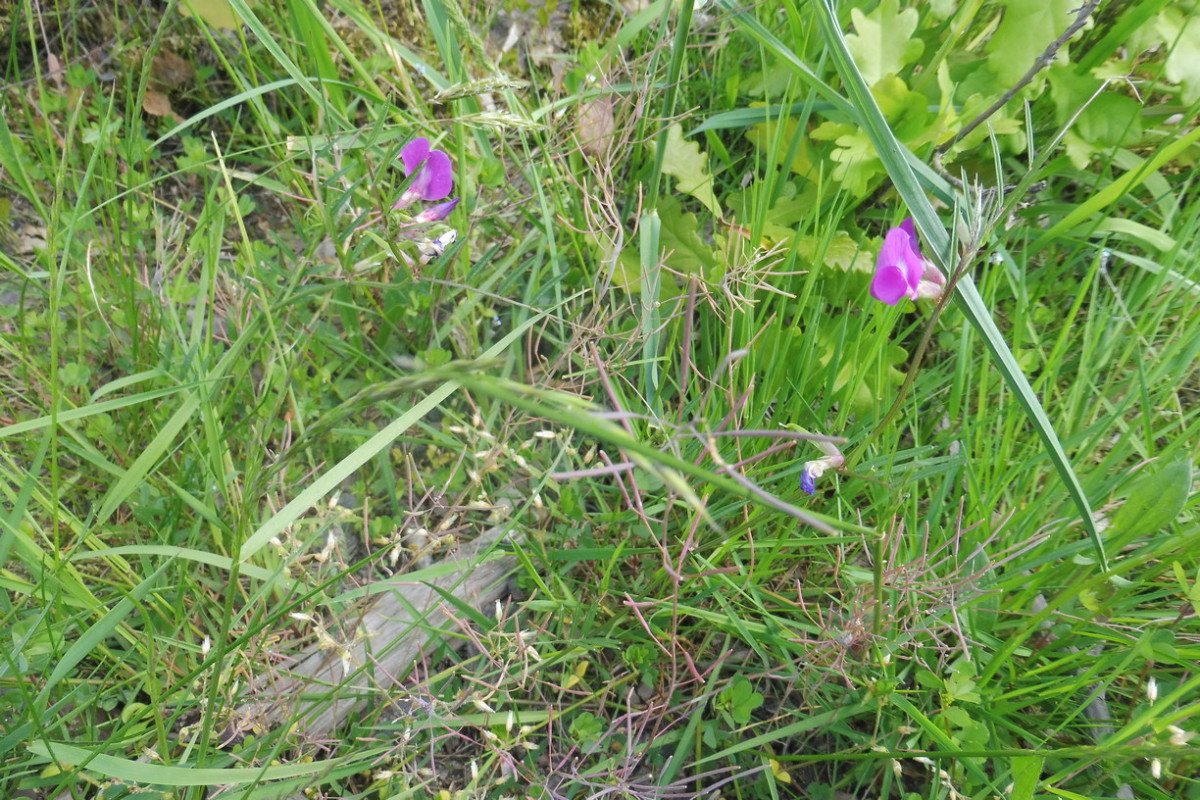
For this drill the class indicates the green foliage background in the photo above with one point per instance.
(242, 394)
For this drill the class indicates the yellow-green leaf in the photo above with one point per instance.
(684, 162)
(882, 43)
(217, 13)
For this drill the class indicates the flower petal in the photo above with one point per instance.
(436, 213)
(889, 285)
(914, 265)
(414, 153)
(899, 268)
(908, 227)
(437, 176)
(808, 481)
(933, 282)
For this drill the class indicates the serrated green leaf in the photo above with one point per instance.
(1080, 152)
(842, 253)
(764, 134)
(863, 389)
(1154, 501)
(857, 163)
(1023, 35)
(1181, 33)
(680, 240)
(1069, 90)
(883, 43)
(681, 249)
(1111, 120)
(1101, 121)
(908, 111)
(689, 167)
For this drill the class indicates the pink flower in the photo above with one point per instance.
(901, 271)
(435, 174)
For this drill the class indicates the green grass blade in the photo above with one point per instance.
(670, 468)
(268, 40)
(229, 102)
(84, 412)
(144, 773)
(12, 159)
(746, 21)
(1118, 188)
(674, 68)
(97, 633)
(158, 447)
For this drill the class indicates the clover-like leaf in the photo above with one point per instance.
(739, 700)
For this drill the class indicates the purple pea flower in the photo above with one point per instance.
(901, 271)
(435, 174)
(814, 469)
(808, 480)
(436, 213)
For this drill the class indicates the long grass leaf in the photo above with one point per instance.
(141, 772)
(268, 40)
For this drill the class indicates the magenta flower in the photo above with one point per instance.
(901, 271)
(435, 174)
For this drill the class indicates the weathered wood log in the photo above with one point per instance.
(330, 682)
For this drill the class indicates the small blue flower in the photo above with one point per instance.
(815, 469)
(808, 480)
